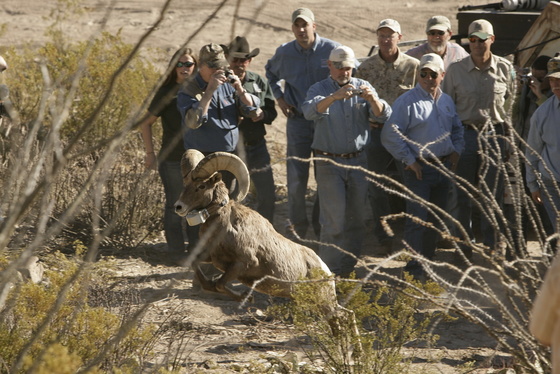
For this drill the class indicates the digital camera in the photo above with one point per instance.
(230, 76)
(526, 76)
(357, 91)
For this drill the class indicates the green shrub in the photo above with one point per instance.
(90, 67)
(77, 332)
(69, 105)
(387, 321)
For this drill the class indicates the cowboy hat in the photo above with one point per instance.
(239, 48)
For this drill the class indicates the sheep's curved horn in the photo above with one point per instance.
(190, 159)
(225, 161)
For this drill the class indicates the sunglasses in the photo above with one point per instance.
(433, 74)
(473, 39)
(187, 64)
(436, 32)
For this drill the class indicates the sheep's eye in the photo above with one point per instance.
(201, 187)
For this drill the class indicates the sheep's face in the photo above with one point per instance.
(197, 194)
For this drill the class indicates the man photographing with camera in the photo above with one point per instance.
(341, 107)
(534, 89)
(211, 103)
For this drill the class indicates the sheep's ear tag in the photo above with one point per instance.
(197, 217)
(198, 97)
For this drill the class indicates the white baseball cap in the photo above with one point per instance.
(342, 57)
(481, 28)
(431, 61)
(390, 23)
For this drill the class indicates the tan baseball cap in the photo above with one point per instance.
(431, 61)
(303, 13)
(440, 23)
(481, 28)
(553, 67)
(390, 23)
(342, 57)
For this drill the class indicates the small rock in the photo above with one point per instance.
(32, 270)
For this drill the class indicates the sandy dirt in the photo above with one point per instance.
(220, 332)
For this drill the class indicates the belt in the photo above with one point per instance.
(341, 155)
(432, 160)
(253, 142)
(479, 126)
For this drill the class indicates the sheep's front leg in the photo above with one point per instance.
(205, 283)
(230, 274)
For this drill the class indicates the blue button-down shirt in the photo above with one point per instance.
(544, 139)
(431, 124)
(299, 68)
(218, 129)
(344, 126)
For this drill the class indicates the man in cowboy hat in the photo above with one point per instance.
(252, 127)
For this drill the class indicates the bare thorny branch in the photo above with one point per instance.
(493, 293)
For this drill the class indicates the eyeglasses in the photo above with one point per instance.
(473, 39)
(433, 74)
(383, 36)
(436, 32)
(240, 59)
(187, 64)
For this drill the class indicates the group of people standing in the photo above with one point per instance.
(431, 113)
(437, 115)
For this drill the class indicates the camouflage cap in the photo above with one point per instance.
(213, 56)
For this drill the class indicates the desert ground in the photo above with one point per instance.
(225, 333)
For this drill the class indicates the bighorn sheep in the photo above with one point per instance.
(237, 240)
(243, 244)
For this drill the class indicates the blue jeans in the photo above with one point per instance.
(172, 179)
(343, 206)
(299, 133)
(475, 170)
(434, 188)
(258, 163)
(378, 162)
(552, 204)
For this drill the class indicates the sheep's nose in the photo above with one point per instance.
(179, 207)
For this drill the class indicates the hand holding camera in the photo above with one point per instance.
(526, 79)
(346, 92)
(231, 78)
